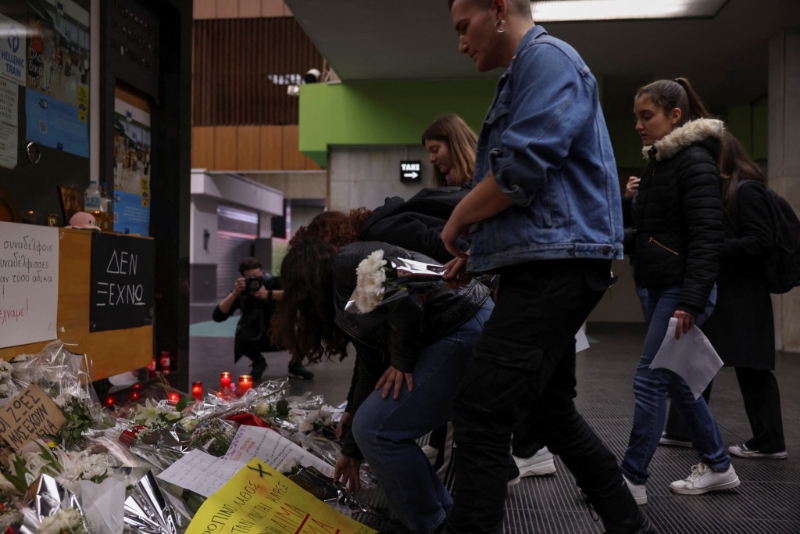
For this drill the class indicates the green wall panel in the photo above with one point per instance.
(384, 113)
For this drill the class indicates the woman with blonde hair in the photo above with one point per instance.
(451, 145)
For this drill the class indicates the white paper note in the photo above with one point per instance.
(201, 473)
(272, 448)
(581, 341)
(691, 357)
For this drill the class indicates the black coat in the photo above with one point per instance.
(678, 214)
(741, 329)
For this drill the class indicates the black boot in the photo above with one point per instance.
(259, 366)
(620, 513)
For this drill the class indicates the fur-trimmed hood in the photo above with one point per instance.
(680, 138)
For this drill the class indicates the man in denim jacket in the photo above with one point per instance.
(546, 215)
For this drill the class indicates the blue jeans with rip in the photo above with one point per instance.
(651, 387)
(386, 430)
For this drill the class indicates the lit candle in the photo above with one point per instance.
(225, 380)
(174, 398)
(245, 383)
(197, 390)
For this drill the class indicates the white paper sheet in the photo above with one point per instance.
(581, 341)
(200, 472)
(691, 357)
(272, 448)
(28, 283)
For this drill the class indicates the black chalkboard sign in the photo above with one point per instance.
(123, 281)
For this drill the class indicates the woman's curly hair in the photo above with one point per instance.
(334, 227)
(303, 323)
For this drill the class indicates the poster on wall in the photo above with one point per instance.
(57, 75)
(28, 283)
(131, 169)
(12, 50)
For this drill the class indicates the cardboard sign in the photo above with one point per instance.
(260, 500)
(29, 416)
(123, 281)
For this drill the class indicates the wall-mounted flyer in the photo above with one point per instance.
(131, 169)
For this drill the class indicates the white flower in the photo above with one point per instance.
(189, 423)
(370, 279)
(80, 465)
(6, 486)
(288, 465)
(68, 519)
(151, 414)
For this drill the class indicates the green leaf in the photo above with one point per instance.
(183, 403)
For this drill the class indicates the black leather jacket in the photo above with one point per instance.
(394, 333)
(678, 214)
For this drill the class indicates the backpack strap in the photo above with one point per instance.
(733, 213)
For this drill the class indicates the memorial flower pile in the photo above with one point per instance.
(77, 467)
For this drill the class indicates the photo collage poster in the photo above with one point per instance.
(132, 150)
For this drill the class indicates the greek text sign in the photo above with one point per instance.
(28, 283)
(29, 416)
(260, 500)
(123, 278)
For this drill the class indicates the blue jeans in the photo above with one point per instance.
(651, 387)
(386, 430)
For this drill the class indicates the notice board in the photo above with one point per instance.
(123, 281)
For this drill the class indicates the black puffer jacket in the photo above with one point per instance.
(678, 214)
(394, 334)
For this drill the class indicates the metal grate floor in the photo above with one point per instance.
(767, 502)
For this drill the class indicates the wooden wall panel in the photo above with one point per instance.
(242, 67)
(271, 148)
(272, 8)
(205, 9)
(225, 148)
(112, 352)
(249, 143)
(249, 9)
(227, 9)
(293, 159)
(312, 165)
(203, 147)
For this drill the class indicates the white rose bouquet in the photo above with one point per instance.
(380, 280)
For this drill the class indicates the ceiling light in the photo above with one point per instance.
(582, 10)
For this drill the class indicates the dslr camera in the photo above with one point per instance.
(253, 283)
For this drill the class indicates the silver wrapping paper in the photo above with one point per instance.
(147, 511)
(45, 497)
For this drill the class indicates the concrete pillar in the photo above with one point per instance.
(784, 159)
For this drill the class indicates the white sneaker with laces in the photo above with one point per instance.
(702, 480)
(639, 491)
(431, 453)
(539, 464)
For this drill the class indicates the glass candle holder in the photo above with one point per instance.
(225, 380)
(173, 398)
(245, 383)
(197, 390)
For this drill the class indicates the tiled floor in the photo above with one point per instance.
(768, 500)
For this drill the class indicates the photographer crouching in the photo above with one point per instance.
(256, 294)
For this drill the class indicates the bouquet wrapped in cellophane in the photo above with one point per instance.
(381, 280)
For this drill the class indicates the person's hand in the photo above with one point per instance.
(632, 187)
(239, 286)
(343, 426)
(394, 378)
(261, 294)
(685, 322)
(346, 472)
(450, 234)
(455, 270)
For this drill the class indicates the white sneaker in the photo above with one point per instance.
(431, 453)
(702, 480)
(539, 464)
(639, 491)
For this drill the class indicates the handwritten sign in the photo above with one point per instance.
(28, 283)
(270, 447)
(260, 500)
(200, 472)
(29, 416)
(123, 278)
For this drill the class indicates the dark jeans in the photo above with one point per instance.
(762, 403)
(524, 370)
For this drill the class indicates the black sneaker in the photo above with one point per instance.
(671, 440)
(298, 370)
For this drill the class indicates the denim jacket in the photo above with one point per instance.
(545, 141)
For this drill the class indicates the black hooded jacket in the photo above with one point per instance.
(678, 214)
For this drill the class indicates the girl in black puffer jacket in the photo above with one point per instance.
(677, 241)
